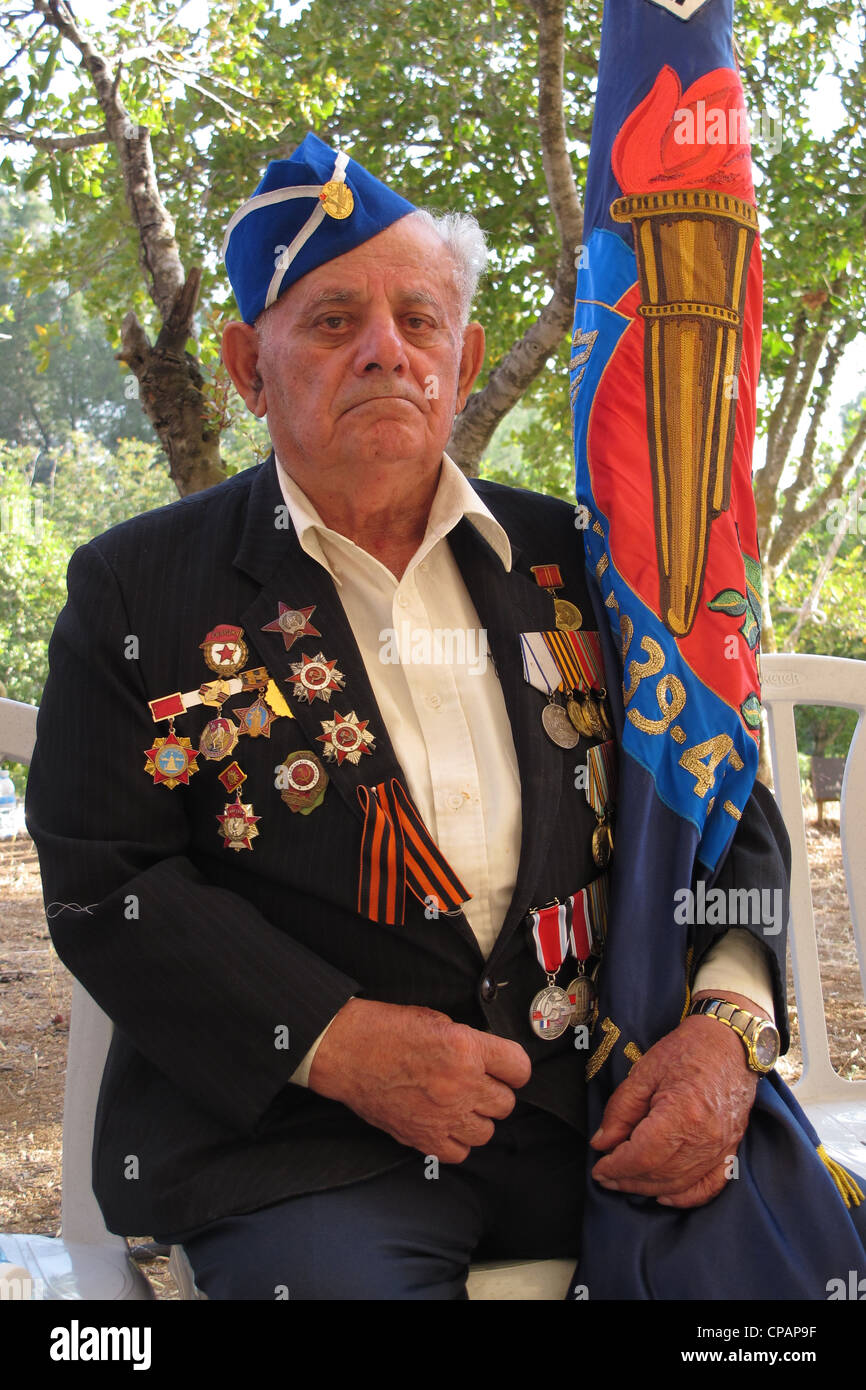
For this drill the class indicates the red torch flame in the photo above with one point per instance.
(693, 139)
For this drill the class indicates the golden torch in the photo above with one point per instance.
(693, 248)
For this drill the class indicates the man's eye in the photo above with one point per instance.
(333, 321)
(418, 324)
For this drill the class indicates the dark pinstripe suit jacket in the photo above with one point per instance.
(199, 953)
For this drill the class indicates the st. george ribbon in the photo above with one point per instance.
(664, 370)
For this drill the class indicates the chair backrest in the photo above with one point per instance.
(788, 681)
(89, 1037)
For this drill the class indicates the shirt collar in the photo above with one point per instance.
(455, 499)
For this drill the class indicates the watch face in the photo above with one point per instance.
(766, 1045)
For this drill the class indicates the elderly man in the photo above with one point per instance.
(333, 912)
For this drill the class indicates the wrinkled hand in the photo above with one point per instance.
(431, 1083)
(670, 1128)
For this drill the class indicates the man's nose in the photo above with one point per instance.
(381, 346)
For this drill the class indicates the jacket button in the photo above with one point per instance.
(488, 989)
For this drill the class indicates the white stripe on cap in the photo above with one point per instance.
(279, 195)
(303, 236)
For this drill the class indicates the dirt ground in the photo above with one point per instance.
(34, 1025)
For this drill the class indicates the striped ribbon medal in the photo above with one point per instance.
(586, 938)
(578, 655)
(551, 1009)
(601, 793)
(541, 670)
(398, 852)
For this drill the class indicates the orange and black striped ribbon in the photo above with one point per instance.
(578, 658)
(398, 852)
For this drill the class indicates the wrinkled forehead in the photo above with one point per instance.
(408, 262)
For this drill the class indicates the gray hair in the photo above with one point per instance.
(466, 244)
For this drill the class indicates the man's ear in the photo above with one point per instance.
(240, 353)
(471, 359)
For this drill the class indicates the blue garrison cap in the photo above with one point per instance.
(307, 209)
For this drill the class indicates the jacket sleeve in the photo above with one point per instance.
(758, 860)
(197, 979)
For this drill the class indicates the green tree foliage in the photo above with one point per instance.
(57, 371)
(89, 488)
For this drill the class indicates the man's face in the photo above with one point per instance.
(363, 363)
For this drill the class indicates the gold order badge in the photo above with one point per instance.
(336, 198)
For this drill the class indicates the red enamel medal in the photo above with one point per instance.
(171, 760)
(346, 736)
(224, 649)
(302, 781)
(315, 676)
(238, 825)
(293, 623)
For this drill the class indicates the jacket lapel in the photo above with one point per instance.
(272, 555)
(508, 604)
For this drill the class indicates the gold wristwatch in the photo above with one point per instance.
(760, 1037)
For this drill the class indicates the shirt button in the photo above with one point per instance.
(455, 801)
(434, 701)
(488, 989)
(402, 601)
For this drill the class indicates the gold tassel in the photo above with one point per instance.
(689, 954)
(848, 1189)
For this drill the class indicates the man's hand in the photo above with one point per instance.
(432, 1084)
(678, 1117)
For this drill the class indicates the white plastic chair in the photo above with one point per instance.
(86, 1260)
(836, 1107)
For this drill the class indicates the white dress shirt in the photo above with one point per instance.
(441, 702)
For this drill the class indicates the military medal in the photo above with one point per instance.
(600, 791)
(255, 719)
(315, 676)
(218, 738)
(558, 726)
(238, 825)
(293, 623)
(215, 692)
(586, 938)
(171, 760)
(224, 649)
(568, 615)
(582, 993)
(232, 777)
(302, 781)
(551, 1009)
(337, 199)
(346, 736)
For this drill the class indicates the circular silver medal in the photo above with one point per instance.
(582, 991)
(559, 727)
(550, 1013)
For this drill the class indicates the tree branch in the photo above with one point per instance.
(158, 250)
(55, 142)
(795, 524)
(808, 609)
(558, 172)
(474, 427)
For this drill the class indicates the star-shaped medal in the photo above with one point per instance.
(315, 675)
(346, 736)
(255, 719)
(293, 623)
(238, 825)
(171, 760)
